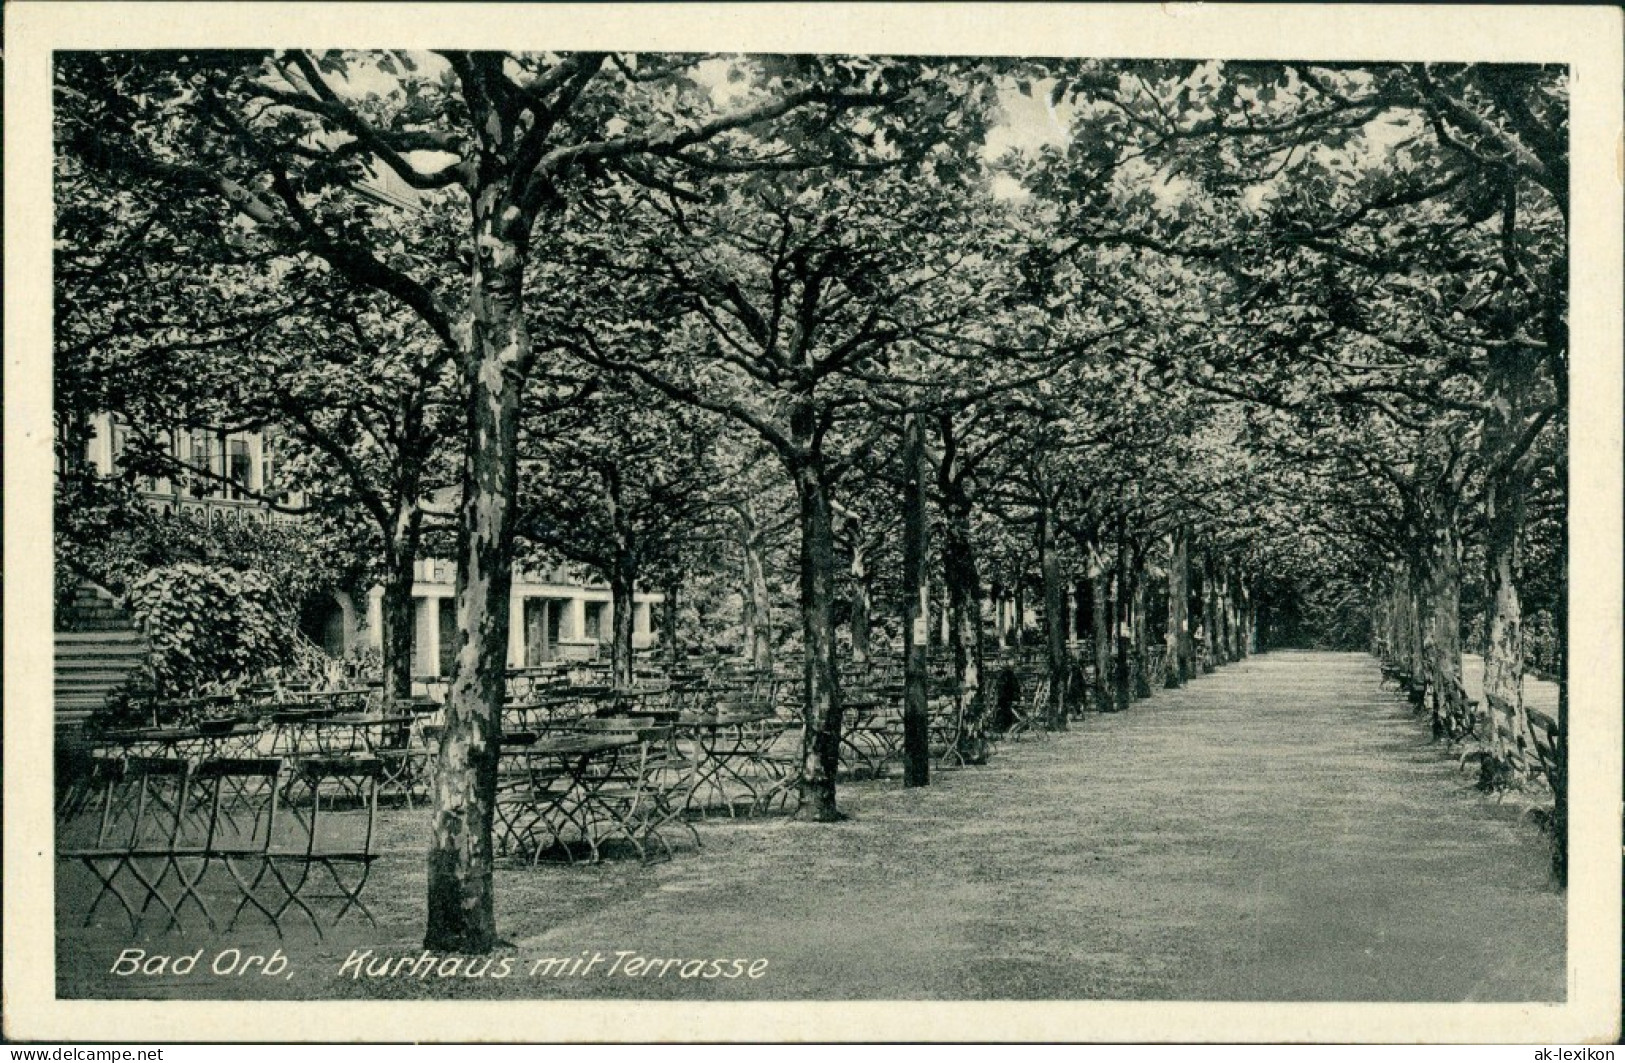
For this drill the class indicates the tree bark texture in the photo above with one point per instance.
(1178, 623)
(916, 607)
(1210, 614)
(1123, 685)
(1506, 723)
(396, 620)
(1049, 567)
(622, 588)
(963, 584)
(757, 608)
(1100, 617)
(668, 626)
(1140, 627)
(461, 914)
(965, 642)
(1443, 632)
(860, 604)
(821, 706)
(1018, 632)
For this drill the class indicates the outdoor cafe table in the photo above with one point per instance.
(394, 739)
(189, 743)
(549, 786)
(525, 682)
(552, 708)
(187, 711)
(334, 700)
(417, 706)
(732, 753)
(359, 732)
(871, 730)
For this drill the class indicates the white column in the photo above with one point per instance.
(375, 618)
(100, 449)
(576, 609)
(347, 611)
(516, 631)
(256, 461)
(431, 634)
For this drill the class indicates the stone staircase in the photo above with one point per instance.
(96, 650)
(93, 609)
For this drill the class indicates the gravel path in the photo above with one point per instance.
(1279, 830)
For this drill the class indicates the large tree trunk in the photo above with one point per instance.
(996, 595)
(1124, 680)
(757, 611)
(397, 629)
(1143, 679)
(862, 593)
(1411, 612)
(1019, 630)
(1505, 722)
(668, 625)
(622, 580)
(964, 588)
(1245, 643)
(1560, 805)
(1210, 613)
(1513, 383)
(1079, 606)
(964, 625)
(1177, 673)
(916, 607)
(622, 588)
(1099, 596)
(461, 915)
(821, 748)
(1443, 633)
(1049, 567)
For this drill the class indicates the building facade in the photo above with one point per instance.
(557, 614)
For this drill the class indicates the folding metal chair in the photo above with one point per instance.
(144, 822)
(243, 796)
(337, 837)
(631, 800)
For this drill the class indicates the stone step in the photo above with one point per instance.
(101, 650)
(89, 665)
(101, 627)
(98, 661)
(91, 641)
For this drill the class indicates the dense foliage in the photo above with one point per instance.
(857, 351)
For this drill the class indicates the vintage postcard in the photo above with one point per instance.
(622, 522)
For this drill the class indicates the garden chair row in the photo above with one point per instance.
(167, 838)
(579, 792)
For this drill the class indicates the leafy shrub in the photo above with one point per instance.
(363, 662)
(1540, 644)
(208, 624)
(128, 705)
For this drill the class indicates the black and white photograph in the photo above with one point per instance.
(593, 507)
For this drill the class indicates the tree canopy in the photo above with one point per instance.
(1250, 354)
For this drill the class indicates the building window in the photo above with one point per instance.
(120, 442)
(200, 456)
(594, 620)
(238, 466)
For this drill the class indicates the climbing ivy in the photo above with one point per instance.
(210, 623)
